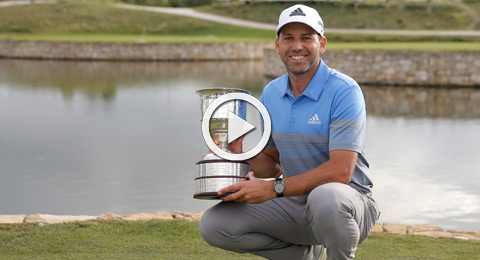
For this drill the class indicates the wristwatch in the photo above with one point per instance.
(279, 187)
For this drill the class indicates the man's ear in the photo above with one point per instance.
(323, 44)
(277, 48)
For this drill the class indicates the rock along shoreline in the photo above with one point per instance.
(372, 67)
(389, 228)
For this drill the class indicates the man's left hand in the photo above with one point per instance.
(254, 190)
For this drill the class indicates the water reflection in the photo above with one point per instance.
(91, 137)
(425, 170)
(422, 102)
(102, 79)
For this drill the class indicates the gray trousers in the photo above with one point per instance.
(334, 215)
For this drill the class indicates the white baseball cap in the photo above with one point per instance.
(301, 14)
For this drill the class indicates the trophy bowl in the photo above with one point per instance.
(212, 172)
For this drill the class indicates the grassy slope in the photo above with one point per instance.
(108, 240)
(368, 15)
(181, 240)
(392, 247)
(98, 20)
(476, 6)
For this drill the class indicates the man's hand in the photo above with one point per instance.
(234, 147)
(254, 190)
(237, 145)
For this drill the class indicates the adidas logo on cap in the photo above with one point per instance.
(297, 12)
(301, 14)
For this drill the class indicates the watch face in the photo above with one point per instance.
(279, 187)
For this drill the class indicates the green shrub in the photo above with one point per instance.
(171, 3)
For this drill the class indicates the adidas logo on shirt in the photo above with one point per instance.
(314, 120)
(297, 12)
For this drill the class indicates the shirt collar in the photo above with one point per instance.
(315, 87)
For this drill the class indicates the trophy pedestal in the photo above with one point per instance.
(215, 173)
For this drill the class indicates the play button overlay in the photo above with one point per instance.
(236, 126)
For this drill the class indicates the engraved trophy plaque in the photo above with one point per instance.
(213, 172)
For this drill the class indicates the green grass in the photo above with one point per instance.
(408, 46)
(97, 21)
(181, 240)
(393, 247)
(332, 44)
(132, 38)
(369, 14)
(103, 23)
(109, 240)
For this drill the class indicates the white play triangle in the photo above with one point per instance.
(237, 127)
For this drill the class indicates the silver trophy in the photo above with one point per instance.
(213, 172)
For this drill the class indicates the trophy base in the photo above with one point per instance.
(208, 187)
(215, 174)
(209, 195)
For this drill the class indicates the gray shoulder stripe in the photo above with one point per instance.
(282, 135)
(346, 120)
(300, 135)
(322, 139)
(298, 149)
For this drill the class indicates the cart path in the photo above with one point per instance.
(194, 14)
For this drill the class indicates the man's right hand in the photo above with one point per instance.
(234, 147)
(237, 145)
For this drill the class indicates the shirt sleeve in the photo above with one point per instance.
(348, 121)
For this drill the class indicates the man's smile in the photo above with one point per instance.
(298, 57)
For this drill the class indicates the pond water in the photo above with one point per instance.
(93, 137)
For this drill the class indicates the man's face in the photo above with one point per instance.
(299, 47)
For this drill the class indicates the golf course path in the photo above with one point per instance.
(194, 14)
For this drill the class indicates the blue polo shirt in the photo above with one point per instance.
(329, 115)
